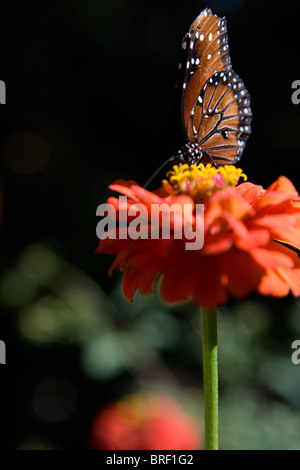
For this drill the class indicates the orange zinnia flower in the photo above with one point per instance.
(249, 236)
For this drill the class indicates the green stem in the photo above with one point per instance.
(210, 376)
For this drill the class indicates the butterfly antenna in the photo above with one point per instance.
(158, 171)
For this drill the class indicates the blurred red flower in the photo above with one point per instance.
(145, 422)
(249, 233)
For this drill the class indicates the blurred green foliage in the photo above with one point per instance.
(146, 345)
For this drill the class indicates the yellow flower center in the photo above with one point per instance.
(201, 181)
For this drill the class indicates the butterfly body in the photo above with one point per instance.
(215, 105)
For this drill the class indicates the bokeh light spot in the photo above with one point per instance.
(39, 262)
(50, 320)
(103, 357)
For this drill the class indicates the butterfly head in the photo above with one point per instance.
(190, 153)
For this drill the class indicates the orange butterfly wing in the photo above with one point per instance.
(215, 104)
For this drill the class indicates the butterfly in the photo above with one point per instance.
(215, 105)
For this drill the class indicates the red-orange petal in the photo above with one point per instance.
(180, 272)
(284, 185)
(272, 284)
(211, 290)
(271, 258)
(292, 278)
(143, 261)
(242, 272)
(249, 192)
(124, 187)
